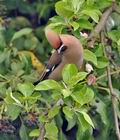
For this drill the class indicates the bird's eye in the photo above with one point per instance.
(63, 48)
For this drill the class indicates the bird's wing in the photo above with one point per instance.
(50, 65)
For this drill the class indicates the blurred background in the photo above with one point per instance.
(30, 13)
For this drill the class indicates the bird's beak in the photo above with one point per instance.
(61, 49)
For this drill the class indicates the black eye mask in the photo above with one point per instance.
(62, 47)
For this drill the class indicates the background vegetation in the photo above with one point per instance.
(85, 104)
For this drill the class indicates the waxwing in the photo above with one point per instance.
(68, 50)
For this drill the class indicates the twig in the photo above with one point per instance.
(104, 75)
(113, 98)
(42, 132)
(103, 88)
(108, 90)
(100, 25)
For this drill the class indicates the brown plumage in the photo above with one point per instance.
(73, 54)
(68, 50)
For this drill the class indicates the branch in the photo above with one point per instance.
(42, 132)
(113, 97)
(100, 25)
(113, 103)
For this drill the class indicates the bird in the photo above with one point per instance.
(68, 50)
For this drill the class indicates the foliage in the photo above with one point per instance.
(77, 99)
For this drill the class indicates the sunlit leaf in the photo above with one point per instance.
(68, 112)
(83, 23)
(53, 112)
(63, 10)
(26, 89)
(102, 62)
(75, 25)
(51, 131)
(90, 56)
(13, 111)
(34, 133)
(66, 92)
(78, 77)
(48, 85)
(84, 96)
(69, 71)
(87, 118)
(84, 125)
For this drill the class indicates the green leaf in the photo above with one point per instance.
(75, 25)
(84, 96)
(42, 118)
(62, 135)
(3, 56)
(79, 77)
(84, 125)
(103, 4)
(114, 35)
(99, 50)
(2, 39)
(71, 123)
(102, 62)
(48, 85)
(69, 71)
(118, 42)
(94, 16)
(102, 110)
(66, 92)
(63, 10)
(13, 111)
(76, 4)
(85, 135)
(57, 19)
(90, 56)
(10, 99)
(68, 112)
(26, 89)
(16, 66)
(51, 131)
(93, 13)
(34, 133)
(21, 33)
(53, 112)
(83, 23)
(57, 27)
(87, 118)
(23, 133)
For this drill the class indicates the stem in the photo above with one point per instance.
(106, 89)
(103, 88)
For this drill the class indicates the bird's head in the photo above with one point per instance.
(55, 40)
(65, 44)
